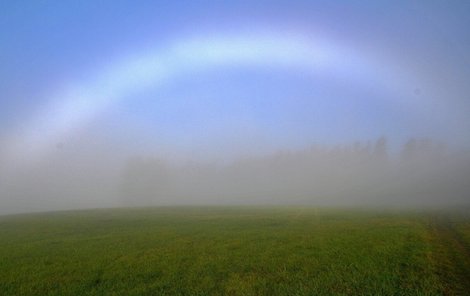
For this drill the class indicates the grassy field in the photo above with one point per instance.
(235, 251)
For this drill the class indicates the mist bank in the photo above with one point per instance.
(423, 174)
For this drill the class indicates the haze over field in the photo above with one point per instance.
(275, 102)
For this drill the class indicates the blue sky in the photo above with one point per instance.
(50, 51)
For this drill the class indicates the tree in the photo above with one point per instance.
(380, 149)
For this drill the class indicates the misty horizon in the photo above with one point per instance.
(357, 174)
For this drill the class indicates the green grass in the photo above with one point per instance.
(234, 251)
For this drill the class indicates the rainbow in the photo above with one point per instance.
(111, 83)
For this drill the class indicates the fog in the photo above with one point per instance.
(314, 103)
(360, 174)
(423, 174)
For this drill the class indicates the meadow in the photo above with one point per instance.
(235, 251)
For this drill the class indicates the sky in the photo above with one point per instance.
(218, 80)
